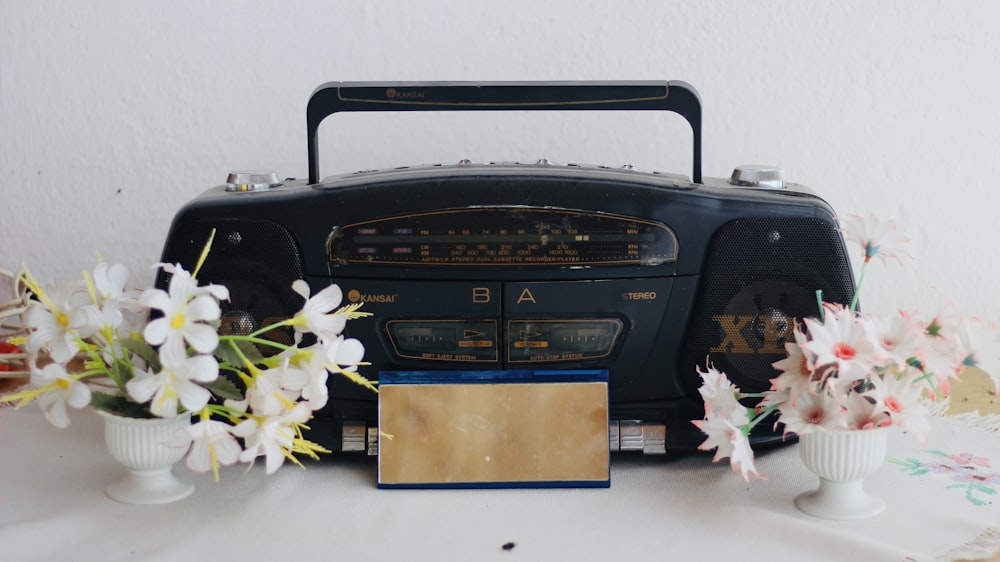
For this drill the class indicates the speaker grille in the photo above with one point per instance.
(761, 276)
(256, 259)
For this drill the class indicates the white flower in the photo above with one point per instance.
(102, 321)
(176, 383)
(212, 444)
(110, 280)
(313, 362)
(57, 390)
(315, 316)
(220, 292)
(274, 437)
(186, 308)
(56, 320)
(273, 389)
(345, 353)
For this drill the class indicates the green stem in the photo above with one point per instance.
(252, 339)
(857, 290)
(221, 410)
(93, 353)
(239, 353)
(265, 329)
(759, 418)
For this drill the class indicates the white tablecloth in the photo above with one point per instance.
(53, 508)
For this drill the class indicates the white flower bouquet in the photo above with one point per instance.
(96, 344)
(847, 370)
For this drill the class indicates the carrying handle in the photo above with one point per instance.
(334, 97)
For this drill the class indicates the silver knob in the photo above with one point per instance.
(758, 176)
(252, 180)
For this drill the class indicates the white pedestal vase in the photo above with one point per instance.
(842, 460)
(138, 444)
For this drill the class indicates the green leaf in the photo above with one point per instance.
(983, 489)
(118, 405)
(223, 387)
(138, 346)
(226, 353)
(121, 373)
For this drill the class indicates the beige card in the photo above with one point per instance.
(494, 434)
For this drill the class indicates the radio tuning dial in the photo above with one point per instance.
(252, 180)
(758, 176)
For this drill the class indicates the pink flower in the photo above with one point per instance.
(897, 395)
(883, 239)
(719, 393)
(980, 348)
(811, 413)
(860, 413)
(841, 340)
(969, 458)
(729, 441)
(797, 373)
(896, 338)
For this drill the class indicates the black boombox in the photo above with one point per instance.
(495, 266)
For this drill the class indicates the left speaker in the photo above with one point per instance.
(257, 259)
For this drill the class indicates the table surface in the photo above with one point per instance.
(52, 507)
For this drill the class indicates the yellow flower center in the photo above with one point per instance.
(167, 395)
(177, 321)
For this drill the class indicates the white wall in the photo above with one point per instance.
(114, 113)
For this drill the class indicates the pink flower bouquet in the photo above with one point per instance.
(847, 370)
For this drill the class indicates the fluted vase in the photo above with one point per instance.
(842, 460)
(139, 444)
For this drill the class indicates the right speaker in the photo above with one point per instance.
(760, 277)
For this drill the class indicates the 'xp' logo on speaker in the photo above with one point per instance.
(761, 334)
